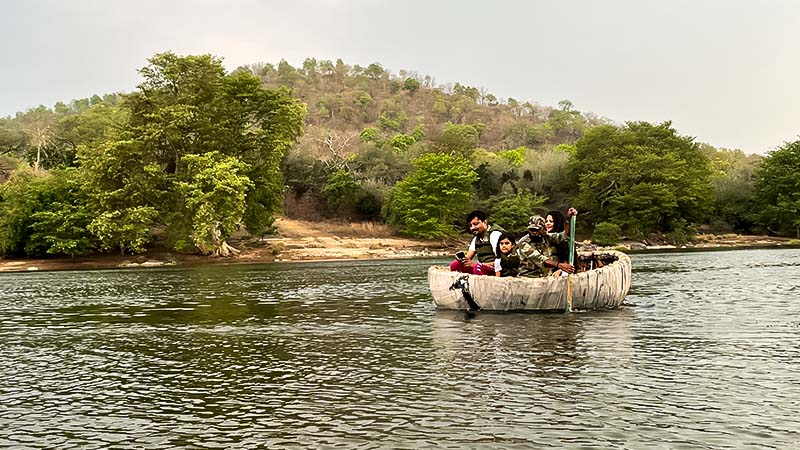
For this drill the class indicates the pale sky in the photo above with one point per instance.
(726, 72)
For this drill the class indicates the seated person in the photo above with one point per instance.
(538, 249)
(554, 222)
(508, 258)
(483, 244)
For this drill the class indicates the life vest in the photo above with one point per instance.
(510, 264)
(483, 245)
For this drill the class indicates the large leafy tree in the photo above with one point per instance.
(432, 196)
(732, 180)
(59, 226)
(641, 176)
(44, 213)
(214, 197)
(777, 189)
(188, 105)
(91, 126)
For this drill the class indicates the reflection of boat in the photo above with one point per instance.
(598, 287)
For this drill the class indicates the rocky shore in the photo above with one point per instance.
(314, 241)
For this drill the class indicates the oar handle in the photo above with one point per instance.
(572, 240)
(568, 307)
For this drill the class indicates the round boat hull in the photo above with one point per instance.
(601, 288)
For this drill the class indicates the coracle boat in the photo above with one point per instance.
(602, 281)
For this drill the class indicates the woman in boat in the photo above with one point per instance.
(554, 222)
(508, 257)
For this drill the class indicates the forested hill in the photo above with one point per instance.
(197, 152)
(349, 99)
(373, 123)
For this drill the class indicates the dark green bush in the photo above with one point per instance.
(606, 234)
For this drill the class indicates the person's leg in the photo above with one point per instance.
(458, 266)
(483, 269)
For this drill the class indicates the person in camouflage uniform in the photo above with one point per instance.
(539, 249)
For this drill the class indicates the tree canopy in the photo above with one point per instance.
(777, 189)
(641, 176)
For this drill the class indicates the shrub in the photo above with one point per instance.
(606, 233)
(433, 196)
(512, 212)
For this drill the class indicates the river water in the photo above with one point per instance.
(704, 354)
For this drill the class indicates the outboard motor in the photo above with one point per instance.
(462, 283)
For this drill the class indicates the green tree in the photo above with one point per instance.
(190, 106)
(566, 123)
(19, 200)
(777, 189)
(732, 179)
(513, 211)
(44, 213)
(90, 127)
(214, 196)
(12, 140)
(341, 190)
(606, 233)
(411, 85)
(432, 196)
(126, 229)
(456, 138)
(381, 164)
(642, 177)
(401, 142)
(60, 227)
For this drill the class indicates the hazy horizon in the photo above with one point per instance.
(723, 72)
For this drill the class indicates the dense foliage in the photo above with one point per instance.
(196, 153)
(433, 196)
(777, 189)
(642, 177)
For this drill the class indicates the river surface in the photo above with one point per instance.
(705, 353)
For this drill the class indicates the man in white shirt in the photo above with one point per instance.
(483, 244)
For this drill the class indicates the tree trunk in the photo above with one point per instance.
(38, 163)
(219, 246)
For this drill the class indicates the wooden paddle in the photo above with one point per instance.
(571, 262)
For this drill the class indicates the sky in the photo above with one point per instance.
(726, 72)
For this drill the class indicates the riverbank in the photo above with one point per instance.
(298, 240)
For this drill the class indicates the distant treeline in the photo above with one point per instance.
(196, 153)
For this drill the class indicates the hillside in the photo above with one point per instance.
(197, 153)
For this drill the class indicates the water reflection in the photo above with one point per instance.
(353, 355)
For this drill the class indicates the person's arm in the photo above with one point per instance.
(498, 266)
(532, 254)
(565, 266)
(470, 254)
(570, 212)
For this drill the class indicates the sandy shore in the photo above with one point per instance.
(318, 241)
(296, 240)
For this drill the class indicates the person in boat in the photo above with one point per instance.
(554, 222)
(508, 257)
(483, 245)
(538, 248)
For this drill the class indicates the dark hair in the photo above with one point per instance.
(504, 235)
(558, 221)
(477, 213)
